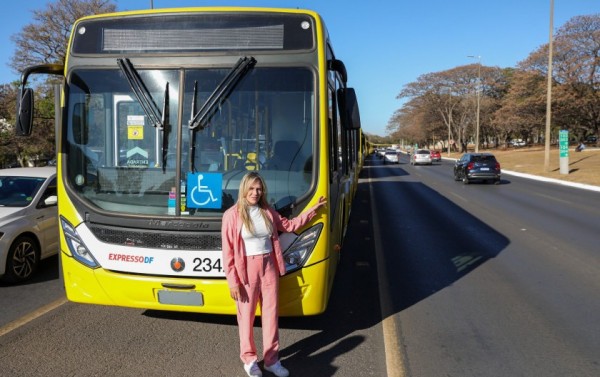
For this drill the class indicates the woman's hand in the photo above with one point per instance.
(322, 203)
(235, 292)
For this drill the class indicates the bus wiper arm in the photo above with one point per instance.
(148, 105)
(141, 92)
(165, 127)
(192, 152)
(221, 92)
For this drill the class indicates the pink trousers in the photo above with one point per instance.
(263, 289)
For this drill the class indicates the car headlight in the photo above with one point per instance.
(78, 249)
(298, 252)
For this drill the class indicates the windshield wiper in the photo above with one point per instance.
(141, 92)
(192, 153)
(221, 92)
(147, 103)
(199, 119)
(165, 127)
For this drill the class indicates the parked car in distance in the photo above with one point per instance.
(518, 143)
(391, 156)
(436, 156)
(477, 167)
(421, 156)
(28, 221)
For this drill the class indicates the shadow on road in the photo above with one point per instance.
(428, 243)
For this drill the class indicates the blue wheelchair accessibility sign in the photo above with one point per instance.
(204, 190)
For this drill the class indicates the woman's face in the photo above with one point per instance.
(254, 192)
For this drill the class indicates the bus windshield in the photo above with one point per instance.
(119, 160)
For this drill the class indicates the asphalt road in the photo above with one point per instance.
(41, 336)
(489, 280)
(449, 279)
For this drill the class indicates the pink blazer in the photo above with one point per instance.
(234, 253)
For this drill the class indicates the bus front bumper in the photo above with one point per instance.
(303, 292)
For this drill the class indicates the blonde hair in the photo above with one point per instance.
(245, 183)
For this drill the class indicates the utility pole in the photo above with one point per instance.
(547, 134)
(478, 90)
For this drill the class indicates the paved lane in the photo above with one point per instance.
(490, 280)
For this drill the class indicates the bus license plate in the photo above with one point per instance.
(180, 298)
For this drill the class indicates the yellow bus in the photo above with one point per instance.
(159, 115)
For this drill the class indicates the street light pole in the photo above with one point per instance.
(449, 132)
(547, 134)
(478, 100)
(449, 120)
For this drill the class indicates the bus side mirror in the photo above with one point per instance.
(25, 101)
(25, 113)
(348, 106)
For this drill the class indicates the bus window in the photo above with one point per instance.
(130, 176)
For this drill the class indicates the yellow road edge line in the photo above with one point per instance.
(394, 360)
(31, 316)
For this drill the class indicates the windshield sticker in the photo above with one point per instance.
(137, 157)
(135, 127)
(205, 190)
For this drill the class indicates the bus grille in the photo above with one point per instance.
(157, 239)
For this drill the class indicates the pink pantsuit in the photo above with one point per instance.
(259, 278)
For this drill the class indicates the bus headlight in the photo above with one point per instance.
(298, 252)
(78, 249)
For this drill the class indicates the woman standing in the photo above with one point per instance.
(253, 262)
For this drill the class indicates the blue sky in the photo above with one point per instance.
(386, 44)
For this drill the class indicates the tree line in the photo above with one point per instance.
(42, 41)
(442, 106)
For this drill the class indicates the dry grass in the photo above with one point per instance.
(584, 167)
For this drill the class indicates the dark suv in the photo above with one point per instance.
(477, 167)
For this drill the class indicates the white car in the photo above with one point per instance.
(391, 156)
(28, 221)
(421, 156)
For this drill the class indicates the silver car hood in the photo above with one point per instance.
(11, 212)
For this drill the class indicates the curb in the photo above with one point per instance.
(553, 180)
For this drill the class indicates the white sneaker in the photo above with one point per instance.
(278, 370)
(252, 369)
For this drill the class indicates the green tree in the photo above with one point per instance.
(443, 103)
(45, 39)
(576, 75)
(523, 108)
(42, 41)
(8, 94)
(38, 147)
(513, 100)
